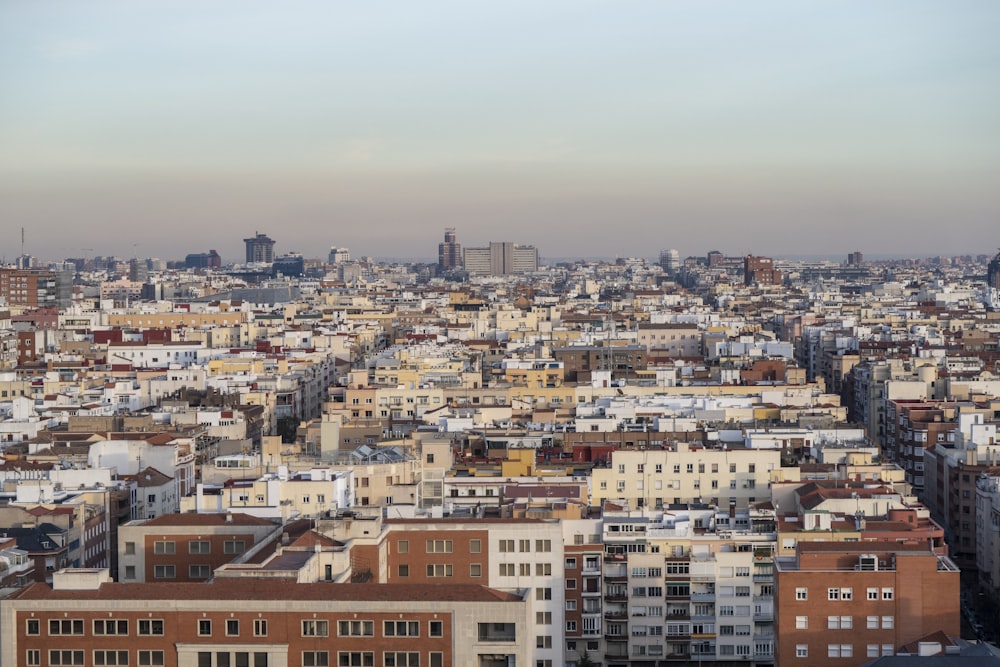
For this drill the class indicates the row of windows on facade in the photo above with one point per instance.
(310, 628)
(847, 622)
(155, 658)
(871, 593)
(658, 468)
(847, 650)
(169, 548)
(476, 546)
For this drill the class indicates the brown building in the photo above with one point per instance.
(579, 362)
(187, 547)
(846, 603)
(85, 619)
(760, 271)
(31, 288)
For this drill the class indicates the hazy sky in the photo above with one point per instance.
(162, 127)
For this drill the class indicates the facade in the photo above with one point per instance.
(449, 252)
(993, 273)
(846, 603)
(500, 258)
(187, 547)
(31, 288)
(259, 249)
(85, 619)
(760, 271)
(203, 260)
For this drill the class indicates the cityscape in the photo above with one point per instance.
(493, 460)
(548, 333)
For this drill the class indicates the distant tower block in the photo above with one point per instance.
(260, 249)
(670, 261)
(449, 252)
(338, 255)
(855, 258)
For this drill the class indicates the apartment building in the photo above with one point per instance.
(187, 547)
(845, 603)
(84, 618)
(686, 474)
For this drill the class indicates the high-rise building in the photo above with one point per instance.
(993, 273)
(338, 255)
(33, 288)
(501, 258)
(260, 248)
(203, 260)
(855, 258)
(760, 271)
(670, 261)
(449, 252)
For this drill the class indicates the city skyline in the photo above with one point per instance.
(773, 128)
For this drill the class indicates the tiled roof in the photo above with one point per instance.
(262, 589)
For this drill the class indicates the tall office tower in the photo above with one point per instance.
(855, 258)
(33, 288)
(670, 261)
(260, 248)
(449, 252)
(993, 273)
(501, 258)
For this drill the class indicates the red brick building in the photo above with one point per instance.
(845, 603)
(84, 619)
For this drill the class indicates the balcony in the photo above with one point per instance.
(615, 615)
(763, 615)
(616, 596)
(703, 597)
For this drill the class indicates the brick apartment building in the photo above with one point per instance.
(845, 603)
(187, 547)
(85, 619)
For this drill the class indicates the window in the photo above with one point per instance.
(475, 570)
(234, 547)
(403, 570)
(543, 641)
(524, 569)
(543, 569)
(315, 659)
(543, 618)
(130, 571)
(232, 627)
(436, 659)
(873, 650)
(110, 626)
(403, 546)
(33, 658)
(356, 659)
(871, 593)
(260, 627)
(833, 594)
(506, 569)
(66, 626)
(130, 548)
(150, 658)
(356, 628)
(401, 629)
(439, 570)
(524, 546)
(839, 650)
(887, 593)
(401, 659)
(888, 622)
(571, 584)
(150, 626)
(199, 571)
(110, 658)
(570, 605)
(439, 546)
(846, 593)
(60, 658)
(543, 546)
(33, 627)
(164, 571)
(801, 593)
(801, 622)
(872, 622)
(801, 650)
(313, 628)
(199, 547)
(475, 546)
(435, 629)
(506, 546)
(164, 548)
(543, 593)
(204, 627)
